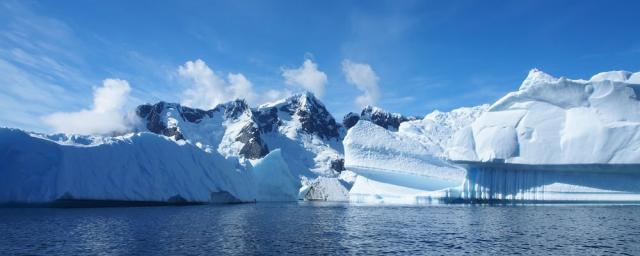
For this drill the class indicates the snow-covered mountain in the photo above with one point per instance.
(384, 119)
(300, 126)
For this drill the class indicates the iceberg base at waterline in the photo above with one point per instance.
(392, 187)
(504, 183)
(501, 182)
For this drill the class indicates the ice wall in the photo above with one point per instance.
(552, 183)
(556, 139)
(141, 167)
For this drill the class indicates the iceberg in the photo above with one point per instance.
(137, 167)
(556, 139)
(274, 181)
(406, 166)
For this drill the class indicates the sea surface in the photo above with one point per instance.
(307, 228)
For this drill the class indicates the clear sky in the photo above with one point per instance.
(404, 56)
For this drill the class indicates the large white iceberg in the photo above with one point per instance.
(556, 139)
(138, 167)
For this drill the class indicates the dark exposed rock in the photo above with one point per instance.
(233, 109)
(337, 165)
(153, 115)
(389, 121)
(307, 109)
(313, 116)
(350, 120)
(253, 147)
(192, 115)
(267, 119)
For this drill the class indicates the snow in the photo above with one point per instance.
(406, 166)
(37, 168)
(368, 146)
(308, 155)
(558, 121)
(437, 128)
(213, 133)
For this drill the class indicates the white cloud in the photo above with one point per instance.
(365, 79)
(208, 90)
(105, 117)
(306, 76)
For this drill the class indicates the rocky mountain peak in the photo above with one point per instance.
(378, 116)
(313, 116)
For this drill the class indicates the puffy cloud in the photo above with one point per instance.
(307, 77)
(208, 90)
(106, 116)
(365, 79)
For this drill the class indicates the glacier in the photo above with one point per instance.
(137, 167)
(556, 139)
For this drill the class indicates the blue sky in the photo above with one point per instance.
(416, 55)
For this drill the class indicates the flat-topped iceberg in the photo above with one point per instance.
(556, 139)
(558, 121)
(138, 167)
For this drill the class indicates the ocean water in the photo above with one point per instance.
(323, 228)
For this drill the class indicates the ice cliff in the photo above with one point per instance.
(138, 167)
(556, 139)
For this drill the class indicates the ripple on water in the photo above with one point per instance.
(314, 228)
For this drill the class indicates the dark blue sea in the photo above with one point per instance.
(323, 228)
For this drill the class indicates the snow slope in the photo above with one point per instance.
(145, 167)
(558, 121)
